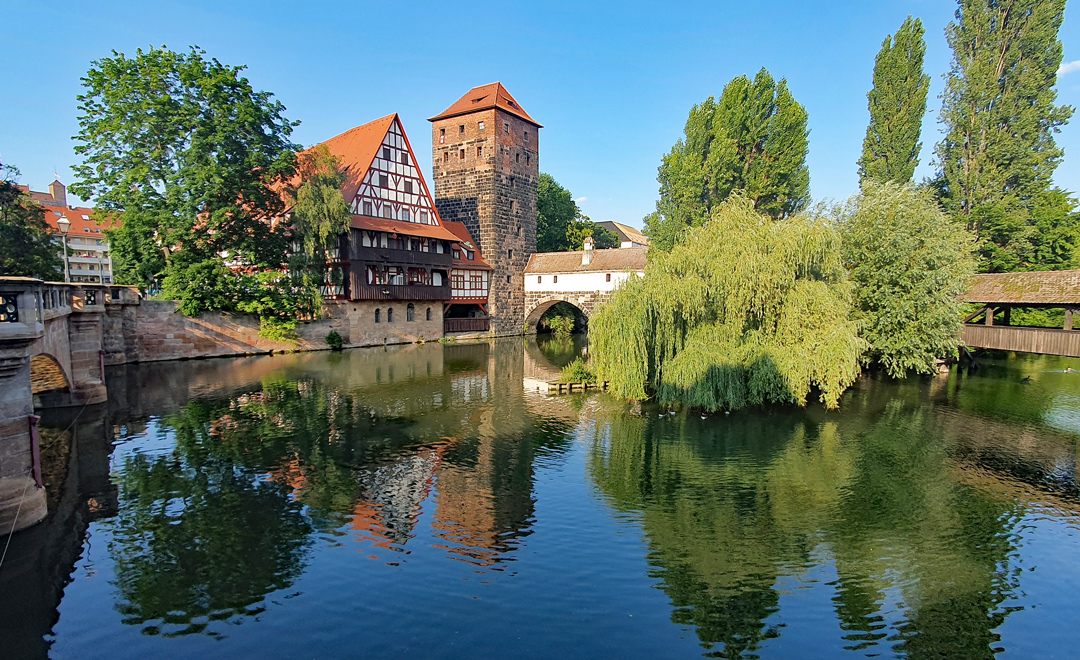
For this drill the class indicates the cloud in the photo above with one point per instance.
(582, 200)
(1068, 67)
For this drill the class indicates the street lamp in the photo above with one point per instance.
(64, 224)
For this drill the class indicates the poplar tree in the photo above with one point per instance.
(753, 140)
(998, 157)
(897, 104)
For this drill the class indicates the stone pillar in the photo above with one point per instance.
(85, 336)
(22, 500)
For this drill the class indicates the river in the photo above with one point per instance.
(425, 501)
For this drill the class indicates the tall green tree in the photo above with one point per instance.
(746, 311)
(26, 247)
(909, 262)
(1000, 113)
(195, 158)
(560, 224)
(753, 140)
(897, 104)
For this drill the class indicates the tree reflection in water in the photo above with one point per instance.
(732, 506)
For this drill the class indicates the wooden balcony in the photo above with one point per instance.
(466, 325)
(388, 257)
(398, 292)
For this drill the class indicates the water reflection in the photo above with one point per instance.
(212, 497)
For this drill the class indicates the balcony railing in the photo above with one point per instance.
(466, 325)
(399, 292)
(400, 257)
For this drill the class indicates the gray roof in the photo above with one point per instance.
(1045, 288)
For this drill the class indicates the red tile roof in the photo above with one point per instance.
(462, 232)
(79, 223)
(613, 260)
(356, 150)
(401, 227)
(486, 97)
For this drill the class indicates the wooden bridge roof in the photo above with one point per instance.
(612, 260)
(1038, 288)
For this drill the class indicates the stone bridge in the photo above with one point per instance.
(53, 351)
(538, 302)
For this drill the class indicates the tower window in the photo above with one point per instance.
(386, 153)
(526, 136)
(511, 206)
(517, 158)
(509, 254)
(508, 279)
(461, 154)
(461, 129)
(404, 158)
(479, 152)
(446, 157)
(506, 127)
(442, 136)
(526, 159)
(480, 125)
(519, 231)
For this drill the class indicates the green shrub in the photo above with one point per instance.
(333, 340)
(561, 326)
(276, 329)
(577, 371)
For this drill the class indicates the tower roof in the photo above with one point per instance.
(486, 97)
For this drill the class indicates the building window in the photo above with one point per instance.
(408, 187)
(469, 254)
(424, 218)
(429, 309)
(387, 212)
(539, 279)
(517, 158)
(386, 153)
(526, 159)
(607, 277)
(404, 158)
(519, 231)
(405, 215)
(461, 154)
(410, 313)
(555, 279)
(506, 128)
(377, 319)
(457, 254)
(479, 152)
(439, 248)
(461, 129)
(480, 125)
(511, 206)
(389, 314)
(367, 209)
(442, 136)
(526, 135)
(383, 181)
(509, 254)
(446, 157)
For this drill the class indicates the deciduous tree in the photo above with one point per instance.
(752, 140)
(560, 224)
(1000, 113)
(897, 104)
(26, 247)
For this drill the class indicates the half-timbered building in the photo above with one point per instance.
(397, 249)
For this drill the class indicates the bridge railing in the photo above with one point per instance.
(1048, 341)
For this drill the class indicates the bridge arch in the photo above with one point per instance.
(47, 375)
(536, 309)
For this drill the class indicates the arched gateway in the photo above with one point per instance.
(584, 278)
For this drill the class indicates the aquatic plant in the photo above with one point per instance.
(577, 371)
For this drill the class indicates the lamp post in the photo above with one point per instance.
(64, 224)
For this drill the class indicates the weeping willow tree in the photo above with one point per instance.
(745, 311)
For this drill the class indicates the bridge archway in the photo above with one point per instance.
(532, 316)
(47, 375)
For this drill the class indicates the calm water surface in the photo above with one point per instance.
(420, 501)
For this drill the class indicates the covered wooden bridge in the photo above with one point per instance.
(998, 293)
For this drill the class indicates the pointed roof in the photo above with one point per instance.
(356, 149)
(486, 97)
(465, 239)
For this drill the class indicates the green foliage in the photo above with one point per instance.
(909, 262)
(26, 247)
(897, 104)
(998, 107)
(560, 224)
(334, 341)
(447, 340)
(275, 329)
(745, 311)
(194, 157)
(753, 140)
(577, 371)
(561, 326)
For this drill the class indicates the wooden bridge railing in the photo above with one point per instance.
(1047, 341)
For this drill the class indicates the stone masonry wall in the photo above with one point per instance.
(538, 302)
(493, 192)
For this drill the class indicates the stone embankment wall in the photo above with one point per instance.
(153, 330)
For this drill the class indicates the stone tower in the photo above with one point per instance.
(485, 165)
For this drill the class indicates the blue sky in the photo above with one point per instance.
(612, 82)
